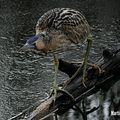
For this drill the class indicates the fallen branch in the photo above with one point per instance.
(95, 80)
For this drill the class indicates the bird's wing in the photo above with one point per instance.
(71, 22)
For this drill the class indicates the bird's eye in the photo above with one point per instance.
(43, 35)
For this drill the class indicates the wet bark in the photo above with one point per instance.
(96, 79)
(102, 77)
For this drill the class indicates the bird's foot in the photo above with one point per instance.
(94, 66)
(60, 90)
(67, 93)
(97, 71)
(97, 68)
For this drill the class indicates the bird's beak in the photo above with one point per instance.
(27, 47)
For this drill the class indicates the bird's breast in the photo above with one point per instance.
(57, 42)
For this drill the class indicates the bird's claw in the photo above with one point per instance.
(83, 82)
(96, 67)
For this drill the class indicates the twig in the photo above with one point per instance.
(92, 110)
(26, 110)
(84, 110)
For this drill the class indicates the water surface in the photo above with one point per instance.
(25, 78)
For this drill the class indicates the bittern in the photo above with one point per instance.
(57, 29)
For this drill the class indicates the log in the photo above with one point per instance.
(109, 65)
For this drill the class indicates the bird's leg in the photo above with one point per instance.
(55, 85)
(56, 88)
(89, 40)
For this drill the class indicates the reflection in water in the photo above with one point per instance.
(24, 78)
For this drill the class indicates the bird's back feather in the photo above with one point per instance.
(69, 21)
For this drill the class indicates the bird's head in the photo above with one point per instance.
(37, 42)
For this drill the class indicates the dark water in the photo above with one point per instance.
(25, 78)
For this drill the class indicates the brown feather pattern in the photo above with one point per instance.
(68, 23)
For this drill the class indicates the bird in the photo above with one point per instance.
(56, 30)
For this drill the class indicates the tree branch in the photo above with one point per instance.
(95, 80)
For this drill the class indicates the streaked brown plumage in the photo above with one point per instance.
(62, 26)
